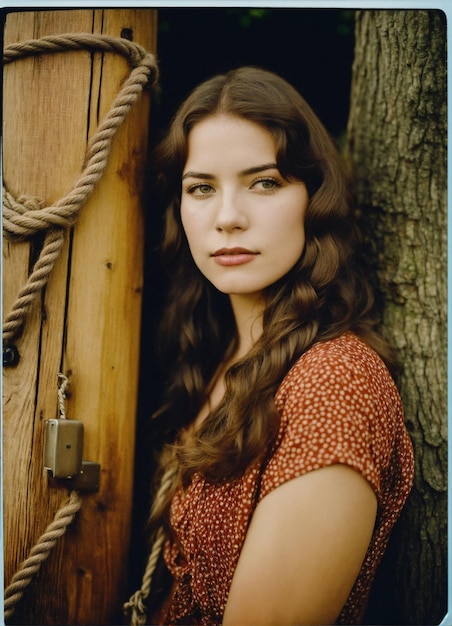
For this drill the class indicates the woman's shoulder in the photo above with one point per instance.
(347, 356)
(344, 371)
(339, 404)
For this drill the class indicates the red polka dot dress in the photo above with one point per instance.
(338, 404)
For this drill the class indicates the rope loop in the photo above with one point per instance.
(25, 216)
(79, 41)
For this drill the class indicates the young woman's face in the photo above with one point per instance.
(244, 222)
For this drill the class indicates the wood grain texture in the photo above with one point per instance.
(86, 323)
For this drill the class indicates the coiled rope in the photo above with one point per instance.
(135, 608)
(26, 216)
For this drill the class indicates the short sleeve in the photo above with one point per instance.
(338, 404)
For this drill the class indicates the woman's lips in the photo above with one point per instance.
(233, 256)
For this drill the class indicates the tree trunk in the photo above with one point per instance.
(86, 321)
(397, 148)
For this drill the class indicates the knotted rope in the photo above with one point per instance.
(26, 216)
(135, 608)
(39, 553)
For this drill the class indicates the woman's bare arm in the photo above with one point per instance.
(303, 551)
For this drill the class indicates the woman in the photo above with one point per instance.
(288, 461)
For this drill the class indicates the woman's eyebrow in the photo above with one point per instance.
(246, 172)
(197, 175)
(258, 168)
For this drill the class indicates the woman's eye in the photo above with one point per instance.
(267, 184)
(200, 189)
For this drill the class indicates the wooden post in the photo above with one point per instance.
(86, 323)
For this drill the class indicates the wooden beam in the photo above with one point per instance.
(86, 323)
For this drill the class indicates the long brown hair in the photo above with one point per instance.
(323, 296)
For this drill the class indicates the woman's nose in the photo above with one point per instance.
(231, 214)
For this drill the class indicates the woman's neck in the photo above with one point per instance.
(248, 318)
(248, 312)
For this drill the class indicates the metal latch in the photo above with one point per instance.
(63, 447)
(63, 450)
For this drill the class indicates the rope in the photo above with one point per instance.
(39, 553)
(135, 607)
(62, 395)
(28, 216)
(14, 320)
(75, 41)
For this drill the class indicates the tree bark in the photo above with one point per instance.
(397, 150)
(86, 321)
